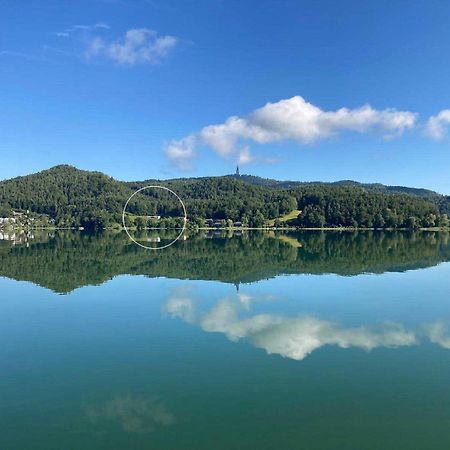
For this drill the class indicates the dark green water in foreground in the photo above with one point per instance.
(253, 341)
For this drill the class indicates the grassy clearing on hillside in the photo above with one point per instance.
(292, 215)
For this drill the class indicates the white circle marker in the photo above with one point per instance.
(184, 219)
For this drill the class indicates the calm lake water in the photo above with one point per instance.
(226, 341)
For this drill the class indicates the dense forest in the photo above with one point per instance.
(73, 197)
(66, 260)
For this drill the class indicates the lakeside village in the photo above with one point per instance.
(25, 219)
(17, 227)
(18, 221)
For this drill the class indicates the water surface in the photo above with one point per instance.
(239, 341)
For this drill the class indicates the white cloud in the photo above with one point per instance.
(245, 157)
(437, 126)
(223, 137)
(95, 46)
(181, 152)
(295, 119)
(139, 46)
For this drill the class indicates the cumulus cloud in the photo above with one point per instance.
(139, 46)
(297, 120)
(245, 156)
(301, 121)
(181, 152)
(291, 337)
(437, 126)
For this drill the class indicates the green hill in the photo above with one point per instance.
(68, 195)
(74, 197)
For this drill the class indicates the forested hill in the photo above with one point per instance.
(74, 197)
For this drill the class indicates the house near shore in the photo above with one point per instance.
(17, 218)
(7, 220)
(154, 217)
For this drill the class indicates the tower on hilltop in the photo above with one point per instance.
(237, 171)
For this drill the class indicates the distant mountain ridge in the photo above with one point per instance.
(78, 197)
(433, 196)
(370, 187)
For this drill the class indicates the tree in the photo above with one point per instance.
(412, 223)
(200, 222)
(379, 221)
(5, 210)
(444, 222)
(391, 218)
(153, 223)
(312, 216)
(258, 220)
(429, 221)
(140, 223)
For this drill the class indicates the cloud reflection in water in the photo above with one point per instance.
(133, 414)
(291, 337)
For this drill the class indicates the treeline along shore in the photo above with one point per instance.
(66, 197)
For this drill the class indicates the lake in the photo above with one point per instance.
(250, 340)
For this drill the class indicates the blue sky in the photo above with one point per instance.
(304, 90)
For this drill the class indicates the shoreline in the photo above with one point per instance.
(15, 229)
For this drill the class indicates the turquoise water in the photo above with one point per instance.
(246, 342)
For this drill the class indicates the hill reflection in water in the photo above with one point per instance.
(63, 261)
